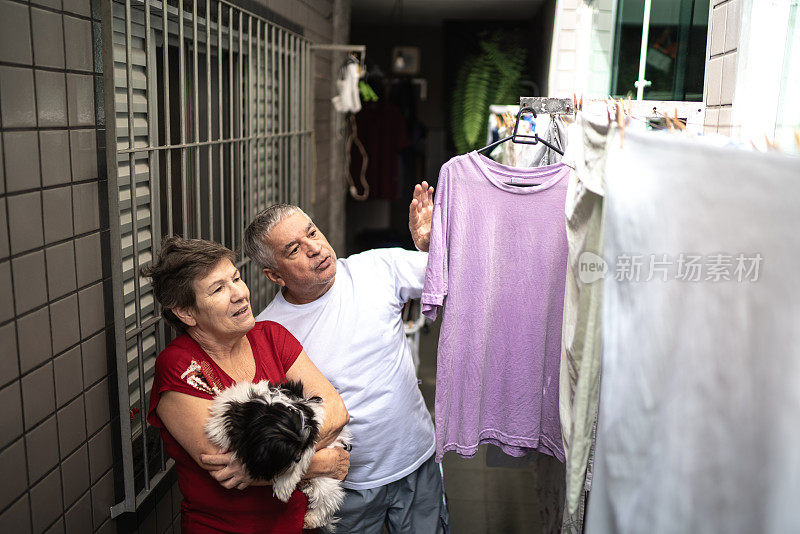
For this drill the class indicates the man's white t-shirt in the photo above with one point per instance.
(354, 335)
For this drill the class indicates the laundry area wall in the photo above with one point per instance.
(95, 170)
(63, 465)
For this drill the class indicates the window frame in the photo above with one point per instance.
(640, 85)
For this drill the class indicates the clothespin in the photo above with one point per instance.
(797, 138)
(772, 145)
(674, 124)
(610, 103)
(679, 123)
(667, 119)
(621, 124)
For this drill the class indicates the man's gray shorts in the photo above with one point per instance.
(412, 505)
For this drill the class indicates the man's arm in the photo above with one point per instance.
(333, 462)
(420, 213)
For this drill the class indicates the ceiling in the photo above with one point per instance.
(433, 12)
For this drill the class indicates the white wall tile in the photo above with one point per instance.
(725, 121)
(568, 40)
(732, 25)
(566, 82)
(714, 81)
(603, 21)
(712, 119)
(566, 60)
(602, 41)
(569, 20)
(718, 15)
(728, 78)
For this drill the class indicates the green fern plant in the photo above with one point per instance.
(492, 76)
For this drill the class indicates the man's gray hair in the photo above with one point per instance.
(255, 236)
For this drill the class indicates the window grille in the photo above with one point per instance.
(209, 110)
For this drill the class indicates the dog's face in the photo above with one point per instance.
(272, 429)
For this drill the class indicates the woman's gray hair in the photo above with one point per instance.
(255, 236)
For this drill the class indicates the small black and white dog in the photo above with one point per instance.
(272, 429)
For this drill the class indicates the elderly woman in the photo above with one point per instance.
(202, 294)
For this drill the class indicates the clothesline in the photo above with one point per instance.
(683, 114)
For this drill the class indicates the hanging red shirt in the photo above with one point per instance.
(206, 506)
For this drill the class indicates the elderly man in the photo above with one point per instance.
(347, 315)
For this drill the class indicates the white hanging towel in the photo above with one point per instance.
(348, 99)
(698, 428)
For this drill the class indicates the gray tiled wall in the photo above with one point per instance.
(59, 430)
(57, 381)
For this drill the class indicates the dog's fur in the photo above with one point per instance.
(272, 429)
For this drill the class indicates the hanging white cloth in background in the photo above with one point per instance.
(348, 99)
(581, 347)
(699, 422)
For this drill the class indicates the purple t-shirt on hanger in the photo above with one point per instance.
(497, 265)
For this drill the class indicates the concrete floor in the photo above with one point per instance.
(502, 500)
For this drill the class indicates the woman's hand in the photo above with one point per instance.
(333, 462)
(420, 213)
(226, 470)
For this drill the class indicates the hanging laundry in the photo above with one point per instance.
(348, 100)
(581, 338)
(540, 154)
(551, 128)
(497, 265)
(502, 120)
(699, 403)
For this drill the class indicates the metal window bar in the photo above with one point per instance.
(169, 171)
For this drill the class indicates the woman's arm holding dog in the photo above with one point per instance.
(315, 384)
(185, 418)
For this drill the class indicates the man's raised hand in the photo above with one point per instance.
(420, 213)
